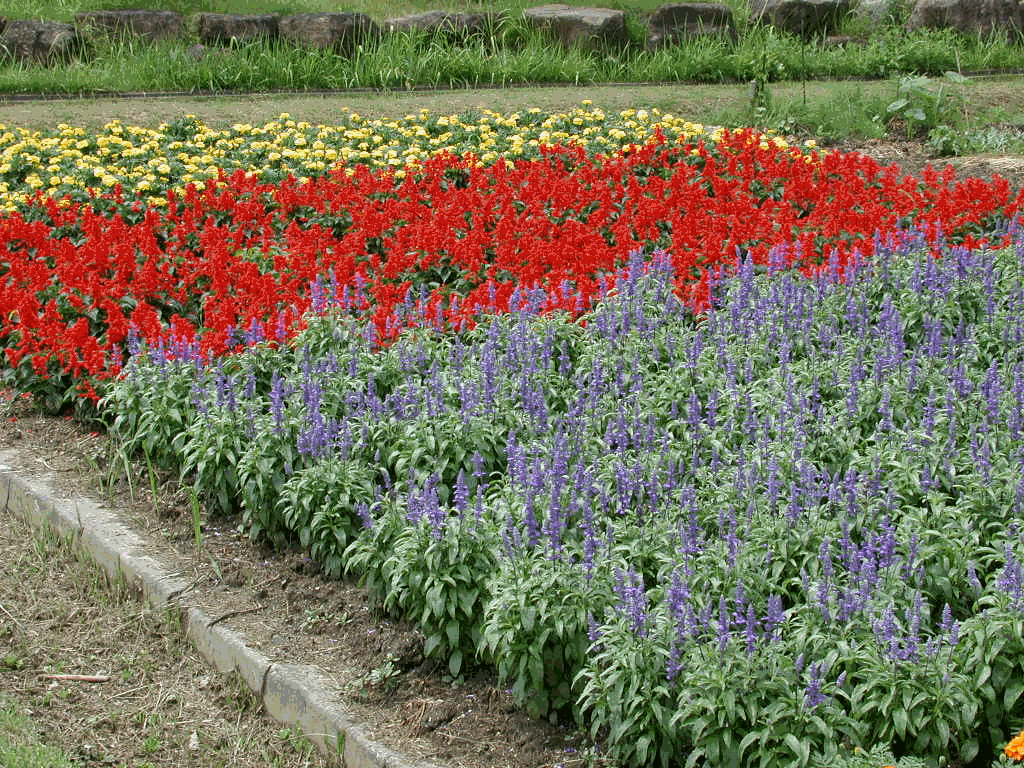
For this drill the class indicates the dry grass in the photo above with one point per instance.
(155, 702)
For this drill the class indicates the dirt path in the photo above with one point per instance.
(151, 700)
(989, 100)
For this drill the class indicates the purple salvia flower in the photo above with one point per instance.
(593, 630)
(813, 695)
(511, 538)
(199, 399)
(629, 587)
(414, 507)
(278, 401)
(773, 483)
(364, 514)
(1011, 578)
(972, 577)
(773, 619)
(532, 527)
(461, 493)
(795, 508)
(885, 408)
(908, 568)
(947, 627)
(928, 421)
(991, 389)
(913, 615)
(885, 629)
(928, 482)
(850, 489)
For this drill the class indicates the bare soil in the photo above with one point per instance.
(162, 706)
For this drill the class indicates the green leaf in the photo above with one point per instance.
(969, 750)
(983, 675)
(435, 601)
(1012, 693)
(642, 745)
(432, 644)
(529, 618)
(798, 748)
(453, 629)
(899, 721)
(455, 663)
(749, 739)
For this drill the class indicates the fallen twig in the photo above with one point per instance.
(80, 678)
(231, 614)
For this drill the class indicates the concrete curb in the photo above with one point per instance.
(292, 694)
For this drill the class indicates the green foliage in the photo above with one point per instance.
(321, 503)
(152, 409)
(946, 141)
(437, 578)
(213, 448)
(270, 460)
(993, 647)
(922, 105)
(535, 627)
(727, 617)
(857, 757)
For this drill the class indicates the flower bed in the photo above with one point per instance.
(712, 445)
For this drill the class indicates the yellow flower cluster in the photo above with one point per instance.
(174, 154)
(149, 162)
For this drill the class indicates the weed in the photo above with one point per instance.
(922, 105)
(197, 527)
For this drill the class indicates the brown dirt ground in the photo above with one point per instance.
(57, 617)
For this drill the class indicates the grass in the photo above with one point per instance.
(20, 745)
(64, 10)
(510, 53)
(161, 706)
